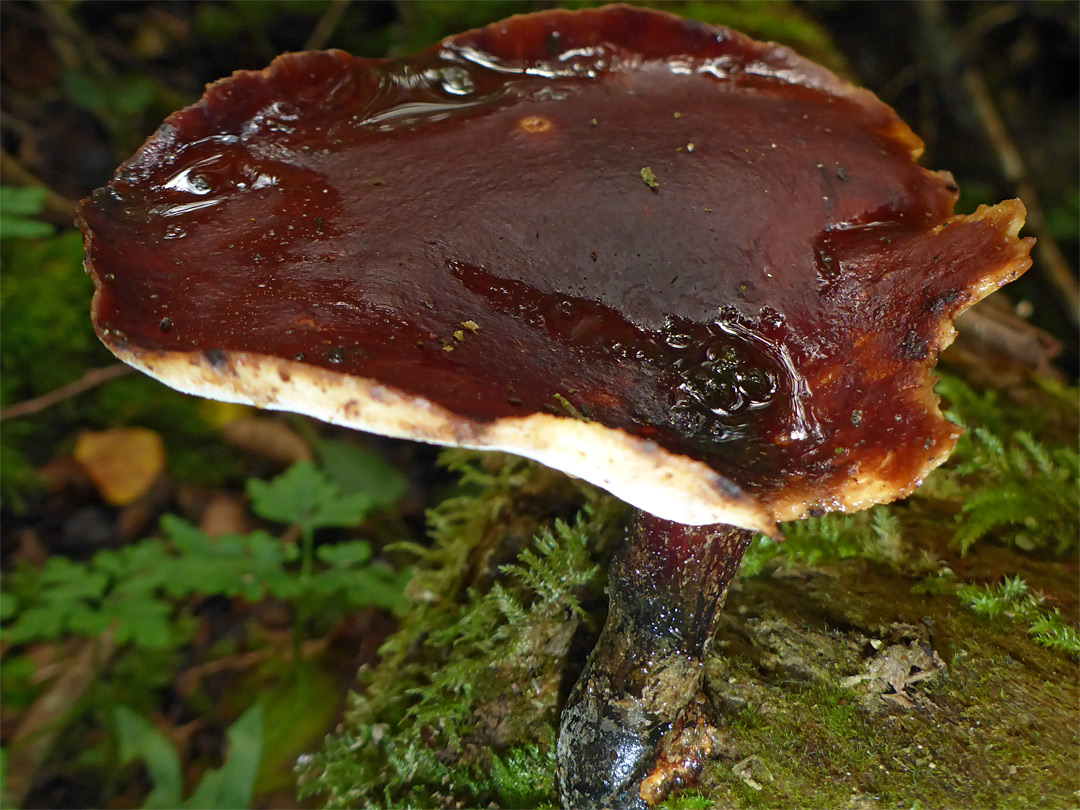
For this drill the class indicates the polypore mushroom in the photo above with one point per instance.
(694, 269)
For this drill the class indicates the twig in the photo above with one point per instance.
(326, 24)
(993, 18)
(90, 379)
(73, 45)
(186, 682)
(48, 715)
(12, 171)
(991, 329)
(1013, 167)
(948, 62)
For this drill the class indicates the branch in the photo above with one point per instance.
(13, 172)
(327, 23)
(91, 379)
(1053, 263)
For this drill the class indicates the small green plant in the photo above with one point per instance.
(119, 589)
(306, 498)
(228, 787)
(1013, 599)
(139, 589)
(1027, 494)
(1009, 482)
(874, 534)
(145, 594)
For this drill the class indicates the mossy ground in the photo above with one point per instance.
(850, 668)
(993, 725)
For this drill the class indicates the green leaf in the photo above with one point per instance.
(22, 228)
(306, 497)
(66, 581)
(287, 586)
(231, 785)
(87, 622)
(38, 623)
(375, 586)
(247, 565)
(125, 96)
(9, 605)
(359, 471)
(17, 204)
(137, 570)
(301, 701)
(264, 568)
(203, 564)
(140, 740)
(21, 201)
(186, 537)
(143, 622)
(345, 555)
(227, 565)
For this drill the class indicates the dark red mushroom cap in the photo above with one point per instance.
(695, 269)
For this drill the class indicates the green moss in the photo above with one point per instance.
(464, 702)
(1013, 600)
(46, 337)
(692, 800)
(525, 777)
(874, 534)
(985, 731)
(1015, 472)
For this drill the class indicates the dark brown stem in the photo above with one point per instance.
(667, 585)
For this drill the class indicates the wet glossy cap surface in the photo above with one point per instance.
(712, 266)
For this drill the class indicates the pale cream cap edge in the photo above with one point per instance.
(634, 470)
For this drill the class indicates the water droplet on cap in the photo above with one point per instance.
(456, 81)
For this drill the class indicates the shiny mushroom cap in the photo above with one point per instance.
(694, 269)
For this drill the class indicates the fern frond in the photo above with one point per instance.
(989, 510)
(1051, 632)
(1022, 492)
(1011, 484)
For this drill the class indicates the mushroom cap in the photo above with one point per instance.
(697, 270)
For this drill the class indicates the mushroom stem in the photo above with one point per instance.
(667, 584)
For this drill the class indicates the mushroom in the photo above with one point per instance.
(694, 269)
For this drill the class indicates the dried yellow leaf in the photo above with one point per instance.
(122, 462)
